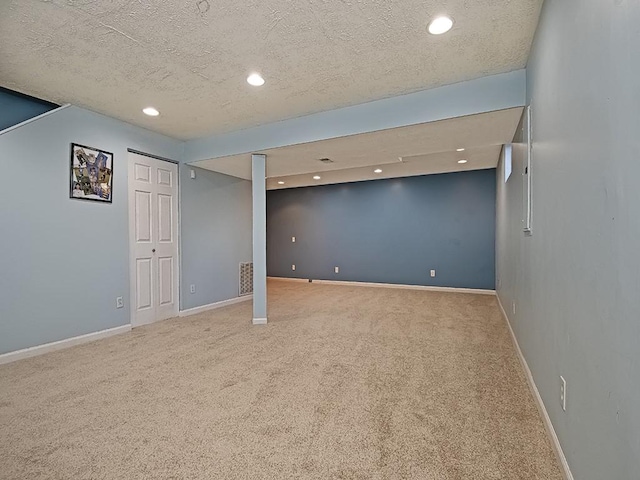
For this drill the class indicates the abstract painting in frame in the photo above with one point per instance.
(91, 173)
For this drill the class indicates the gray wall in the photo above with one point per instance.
(216, 235)
(16, 108)
(576, 280)
(63, 261)
(387, 231)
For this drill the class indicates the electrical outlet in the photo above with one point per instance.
(563, 393)
(513, 307)
(192, 289)
(293, 239)
(293, 267)
(336, 269)
(433, 273)
(119, 302)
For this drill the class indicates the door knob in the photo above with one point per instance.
(153, 251)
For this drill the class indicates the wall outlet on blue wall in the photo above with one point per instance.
(293, 267)
(192, 289)
(433, 273)
(119, 302)
(336, 269)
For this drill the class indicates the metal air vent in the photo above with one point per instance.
(246, 279)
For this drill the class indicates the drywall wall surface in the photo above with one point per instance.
(16, 108)
(387, 231)
(215, 235)
(64, 261)
(575, 281)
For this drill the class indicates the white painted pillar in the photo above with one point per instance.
(259, 193)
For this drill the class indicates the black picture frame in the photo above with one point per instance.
(90, 174)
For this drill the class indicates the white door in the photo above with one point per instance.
(153, 237)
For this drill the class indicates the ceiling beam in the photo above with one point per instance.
(486, 94)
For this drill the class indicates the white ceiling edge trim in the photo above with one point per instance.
(485, 94)
(33, 119)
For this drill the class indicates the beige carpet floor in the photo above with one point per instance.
(344, 383)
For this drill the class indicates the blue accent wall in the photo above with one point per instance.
(16, 107)
(388, 231)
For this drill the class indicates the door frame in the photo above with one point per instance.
(178, 239)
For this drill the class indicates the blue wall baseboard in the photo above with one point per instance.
(388, 231)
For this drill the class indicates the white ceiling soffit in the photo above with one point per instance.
(190, 58)
(477, 159)
(425, 148)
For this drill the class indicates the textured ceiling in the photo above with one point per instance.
(190, 58)
(425, 149)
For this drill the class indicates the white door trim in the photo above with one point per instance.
(177, 275)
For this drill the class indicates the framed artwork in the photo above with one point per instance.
(91, 176)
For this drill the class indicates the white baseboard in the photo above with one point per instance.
(61, 344)
(555, 442)
(288, 279)
(213, 306)
(392, 285)
(259, 321)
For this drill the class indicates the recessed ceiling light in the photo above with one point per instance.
(462, 161)
(281, 183)
(440, 25)
(152, 112)
(459, 149)
(377, 170)
(255, 79)
(316, 177)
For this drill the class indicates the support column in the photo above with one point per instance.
(259, 193)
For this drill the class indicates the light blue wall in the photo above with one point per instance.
(387, 231)
(16, 108)
(259, 230)
(216, 235)
(576, 280)
(63, 261)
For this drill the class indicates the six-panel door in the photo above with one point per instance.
(153, 227)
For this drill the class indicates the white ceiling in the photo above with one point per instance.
(190, 58)
(425, 148)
